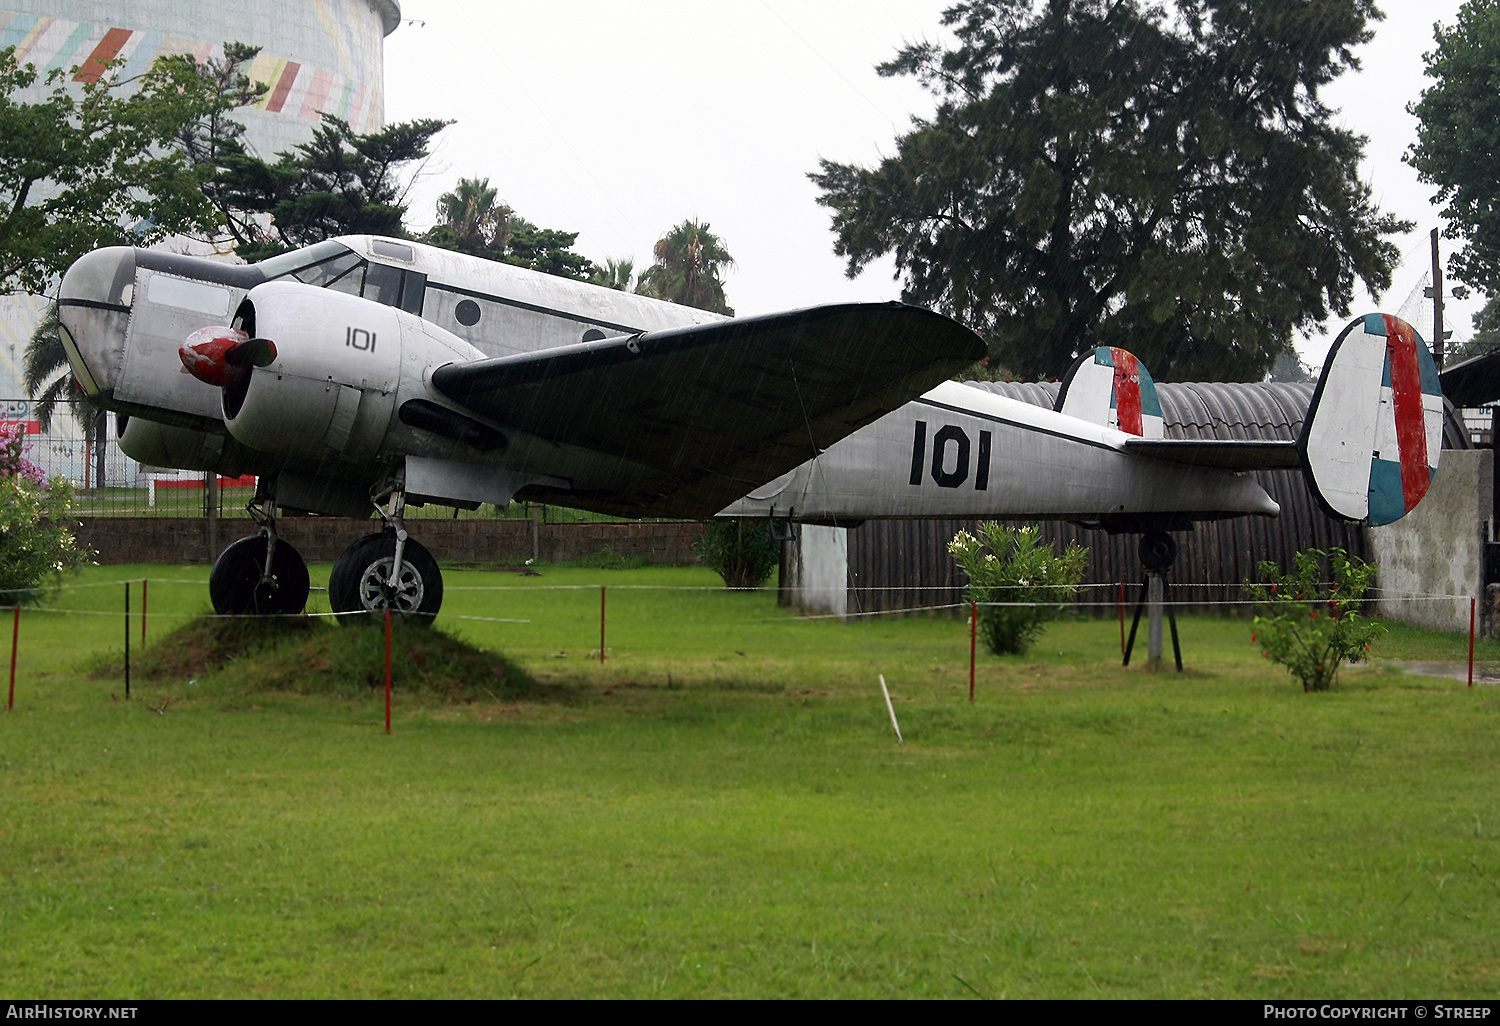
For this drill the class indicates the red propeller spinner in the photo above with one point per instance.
(221, 356)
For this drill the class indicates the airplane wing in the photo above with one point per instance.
(1222, 454)
(698, 416)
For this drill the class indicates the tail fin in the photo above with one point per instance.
(1375, 426)
(1109, 387)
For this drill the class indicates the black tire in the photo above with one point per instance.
(235, 587)
(357, 582)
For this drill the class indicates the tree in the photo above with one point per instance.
(340, 183)
(96, 166)
(616, 274)
(545, 249)
(1289, 367)
(1486, 337)
(1458, 134)
(49, 381)
(215, 141)
(1117, 172)
(689, 262)
(472, 220)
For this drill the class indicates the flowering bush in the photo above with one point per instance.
(1016, 570)
(35, 536)
(13, 461)
(1307, 627)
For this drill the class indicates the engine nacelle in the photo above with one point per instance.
(163, 445)
(332, 389)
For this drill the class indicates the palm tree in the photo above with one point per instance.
(615, 274)
(689, 261)
(49, 381)
(472, 213)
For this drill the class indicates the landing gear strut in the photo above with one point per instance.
(389, 570)
(260, 574)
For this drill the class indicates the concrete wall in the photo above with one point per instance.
(1438, 548)
(815, 570)
(321, 539)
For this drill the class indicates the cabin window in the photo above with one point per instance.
(467, 313)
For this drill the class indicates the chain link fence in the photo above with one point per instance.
(110, 484)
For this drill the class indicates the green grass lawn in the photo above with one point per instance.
(721, 809)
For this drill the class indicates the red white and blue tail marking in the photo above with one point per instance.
(1374, 429)
(1109, 387)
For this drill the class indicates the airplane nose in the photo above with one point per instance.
(93, 310)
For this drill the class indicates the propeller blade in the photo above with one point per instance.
(258, 352)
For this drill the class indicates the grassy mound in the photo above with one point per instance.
(308, 656)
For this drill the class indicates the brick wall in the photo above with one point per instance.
(321, 539)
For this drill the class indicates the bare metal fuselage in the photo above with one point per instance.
(960, 451)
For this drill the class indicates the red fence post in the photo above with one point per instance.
(387, 669)
(143, 610)
(1471, 642)
(601, 624)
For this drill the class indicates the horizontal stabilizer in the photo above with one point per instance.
(704, 414)
(1222, 454)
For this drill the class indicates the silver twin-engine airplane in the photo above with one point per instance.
(367, 373)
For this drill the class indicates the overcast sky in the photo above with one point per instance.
(620, 120)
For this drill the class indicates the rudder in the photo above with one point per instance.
(1374, 429)
(1109, 387)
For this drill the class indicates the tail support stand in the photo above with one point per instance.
(1158, 551)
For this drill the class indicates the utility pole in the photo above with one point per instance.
(1437, 303)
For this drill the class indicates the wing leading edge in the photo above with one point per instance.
(698, 416)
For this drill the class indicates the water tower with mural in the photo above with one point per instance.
(316, 57)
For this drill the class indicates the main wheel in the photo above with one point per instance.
(235, 585)
(360, 579)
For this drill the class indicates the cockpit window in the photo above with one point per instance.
(332, 265)
(298, 260)
(325, 274)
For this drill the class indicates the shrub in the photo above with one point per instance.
(1306, 628)
(35, 540)
(1016, 569)
(738, 549)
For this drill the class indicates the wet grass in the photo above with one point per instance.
(720, 809)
